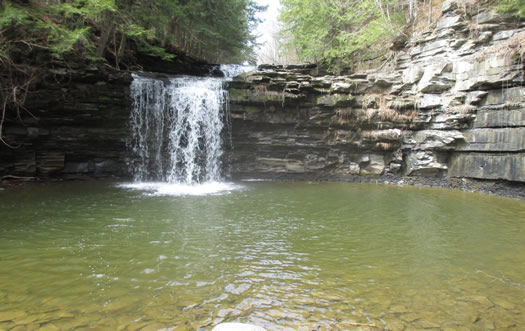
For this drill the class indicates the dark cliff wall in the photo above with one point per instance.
(75, 124)
(451, 106)
(75, 120)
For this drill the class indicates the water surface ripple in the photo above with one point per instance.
(298, 256)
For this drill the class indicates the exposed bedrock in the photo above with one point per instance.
(75, 126)
(452, 105)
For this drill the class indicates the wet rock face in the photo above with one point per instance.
(77, 126)
(452, 105)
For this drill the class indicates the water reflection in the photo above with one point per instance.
(280, 255)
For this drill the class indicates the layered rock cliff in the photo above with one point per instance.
(74, 123)
(450, 106)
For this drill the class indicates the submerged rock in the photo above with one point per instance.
(237, 327)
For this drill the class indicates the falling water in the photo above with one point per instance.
(232, 70)
(179, 127)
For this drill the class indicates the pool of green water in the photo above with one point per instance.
(298, 256)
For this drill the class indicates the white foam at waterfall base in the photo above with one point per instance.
(177, 189)
(179, 129)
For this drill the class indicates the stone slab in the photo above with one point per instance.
(499, 118)
(494, 140)
(488, 166)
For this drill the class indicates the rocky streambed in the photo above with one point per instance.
(285, 256)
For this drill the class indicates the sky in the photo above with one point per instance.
(269, 18)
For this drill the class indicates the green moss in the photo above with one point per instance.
(270, 97)
(252, 109)
(516, 7)
(238, 94)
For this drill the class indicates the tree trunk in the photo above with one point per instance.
(430, 12)
(106, 28)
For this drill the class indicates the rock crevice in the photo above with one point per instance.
(452, 105)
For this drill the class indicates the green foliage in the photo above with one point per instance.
(63, 41)
(336, 30)
(47, 28)
(10, 18)
(136, 31)
(218, 31)
(88, 9)
(38, 32)
(517, 7)
(10, 15)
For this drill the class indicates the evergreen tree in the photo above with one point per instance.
(217, 31)
(34, 33)
(337, 30)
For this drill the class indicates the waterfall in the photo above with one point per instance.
(232, 70)
(179, 127)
